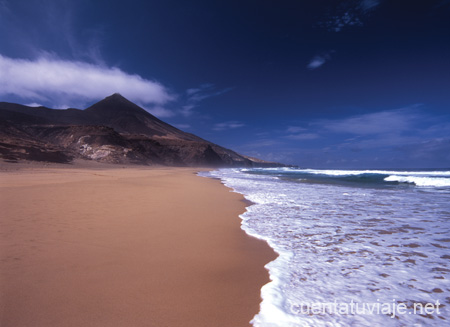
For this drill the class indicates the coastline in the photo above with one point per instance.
(137, 246)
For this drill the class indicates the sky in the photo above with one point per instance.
(315, 83)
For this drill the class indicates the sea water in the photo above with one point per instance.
(356, 248)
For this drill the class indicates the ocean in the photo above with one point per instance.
(356, 248)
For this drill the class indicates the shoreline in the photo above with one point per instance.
(136, 246)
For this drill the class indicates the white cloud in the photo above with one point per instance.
(47, 78)
(34, 104)
(228, 125)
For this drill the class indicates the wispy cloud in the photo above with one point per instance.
(437, 149)
(369, 5)
(262, 143)
(52, 27)
(318, 60)
(442, 4)
(228, 125)
(349, 13)
(303, 136)
(49, 78)
(295, 129)
(182, 126)
(409, 136)
(159, 111)
(381, 122)
(405, 134)
(4, 8)
(349, 18)
(186, 110)
(196, 95)
(285, 156)
(263, 149)
(299, 133)
(383, 129)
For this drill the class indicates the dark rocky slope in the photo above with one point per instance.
(113, 130)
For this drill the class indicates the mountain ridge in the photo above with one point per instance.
(113, 130)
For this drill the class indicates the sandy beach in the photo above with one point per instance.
(125, 247)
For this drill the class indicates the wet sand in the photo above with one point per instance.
(125, 247)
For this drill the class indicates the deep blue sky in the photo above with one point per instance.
(344, 84)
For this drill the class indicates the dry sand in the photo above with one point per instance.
(125, 247)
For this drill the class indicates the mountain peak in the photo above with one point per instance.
(116, 96)
(124, 116)
(114, 104)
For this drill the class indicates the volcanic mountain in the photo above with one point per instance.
(114, 130)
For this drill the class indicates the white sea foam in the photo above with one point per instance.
(331, 172)
(347, 244)
(381, 172)
(420, 181)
